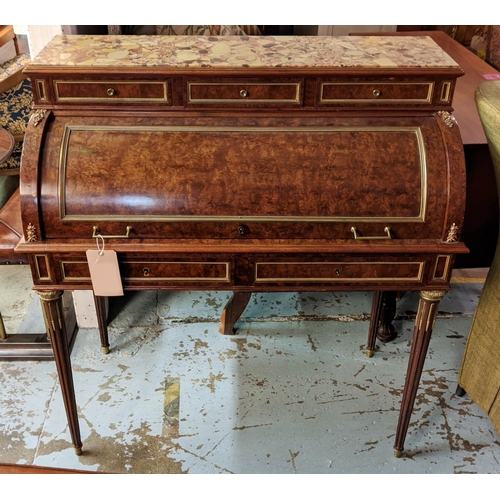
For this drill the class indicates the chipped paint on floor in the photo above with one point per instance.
(292, 392)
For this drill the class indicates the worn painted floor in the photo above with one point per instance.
(292, 392)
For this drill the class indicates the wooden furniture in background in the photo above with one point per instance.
(480, 231)
(32, 346)
(6, 144)
(481, 223)
(245, 164)
(16, 99)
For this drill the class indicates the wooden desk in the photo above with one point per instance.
(250, 164)
(480, 231)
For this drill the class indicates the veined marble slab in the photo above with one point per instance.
(244, 51)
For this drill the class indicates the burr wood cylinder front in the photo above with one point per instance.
(348, 178)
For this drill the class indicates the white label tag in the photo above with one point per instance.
(105, 273)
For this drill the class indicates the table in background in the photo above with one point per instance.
(480, 231)
(6, 144)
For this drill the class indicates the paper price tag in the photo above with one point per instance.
(105, 273)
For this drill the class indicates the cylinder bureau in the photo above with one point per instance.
(248, 164)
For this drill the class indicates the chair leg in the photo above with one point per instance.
(386, 331)
(232, 312)
(374, 321)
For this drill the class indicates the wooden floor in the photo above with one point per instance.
(32, 469)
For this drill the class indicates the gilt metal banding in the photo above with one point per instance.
(387, 231)
(96, 233)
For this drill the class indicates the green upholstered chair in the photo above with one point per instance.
(480, 373)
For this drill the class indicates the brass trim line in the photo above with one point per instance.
(295, 100)
(63, 155)
(431, 316)
(3, 333)
(35, 259)
(63, 271)
(42, 91)
(417, 278)
(225, 279)
(445, 92)
(446, 268)
(426, 100)
(111, 99)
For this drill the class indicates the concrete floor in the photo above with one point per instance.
(292, 392)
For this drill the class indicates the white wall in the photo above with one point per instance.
(39, 36)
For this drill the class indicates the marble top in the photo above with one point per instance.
(234, 52)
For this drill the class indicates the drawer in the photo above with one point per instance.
(376, 92)
(111, 91)
(242, 93)
(329, 272)
(175, 271)
(151, 271)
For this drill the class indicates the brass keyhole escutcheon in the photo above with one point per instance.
(146, 271)
(243, 93)
(110, 92)
(337, 272)
(242, 230)
(376, 93)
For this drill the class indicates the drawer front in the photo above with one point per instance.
(330, 272)
(176, 271)
(149, 271)
(111, 91)
(376, 93)
(243, 93)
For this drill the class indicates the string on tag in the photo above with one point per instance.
(100, 250)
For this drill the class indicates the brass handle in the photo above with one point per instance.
(376, 92)
(387, 231)
(146, 271)
(243, 93)
(96, 233)
(110, 92)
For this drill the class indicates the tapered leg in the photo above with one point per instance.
(374, 320)
(3, 334)
(102, 322)
(424, 323)
(386, 331)
(53, 310)
(232, 312)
